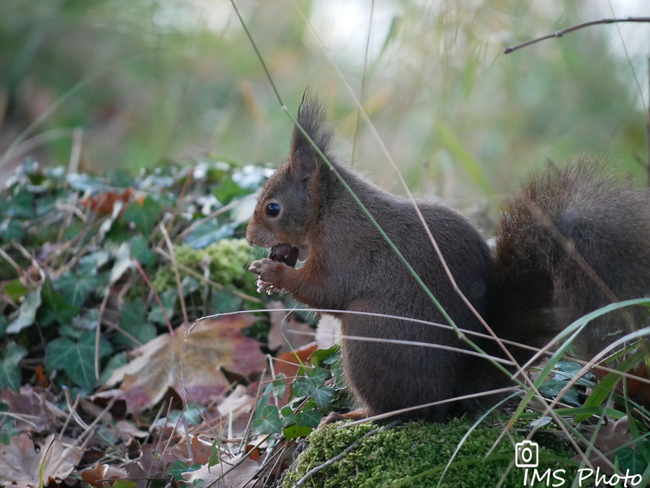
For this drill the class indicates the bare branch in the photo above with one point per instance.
(560, 33)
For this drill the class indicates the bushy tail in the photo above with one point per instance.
(574, 240)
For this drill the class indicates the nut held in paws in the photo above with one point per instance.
(284, 253)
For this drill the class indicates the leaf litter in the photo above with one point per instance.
(98, 383)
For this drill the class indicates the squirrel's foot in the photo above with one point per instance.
(358, 414)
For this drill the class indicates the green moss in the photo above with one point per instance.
(228, 261)
(414, 454)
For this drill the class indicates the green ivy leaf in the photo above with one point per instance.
(77, 359)
(133, 322)
(114, 362)
(15, 290)
(125, 484)
(632, 460)
(268, 423)
(224, 301)
(54, 306)
(288, 416)
(75, 288)
(91, 263)
(144, 215)
(293, 432)
(319, 375)
(279, 385)
(141, 252)
(27, 313)
(168, 299)
(178, 467)
(11, 230)
(208, 233)
(21, 206)
(309, 417)
(227, 189)
(10, 374)
(3, 326)
(319, 392)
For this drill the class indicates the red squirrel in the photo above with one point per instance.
(528, 289)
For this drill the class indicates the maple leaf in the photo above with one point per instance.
(211, 345)
(20, 464)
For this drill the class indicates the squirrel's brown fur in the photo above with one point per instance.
(531, 290)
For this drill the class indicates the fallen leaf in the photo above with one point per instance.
(238, 477)
(288, 364)
(104, 202)
(210, 346)
(102, 472)
(20, 464)
(33, 405)
(610, 437)
(286, 332)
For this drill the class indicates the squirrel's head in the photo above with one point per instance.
(288, 206)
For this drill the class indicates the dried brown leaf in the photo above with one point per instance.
(209, 347)
(20, 464)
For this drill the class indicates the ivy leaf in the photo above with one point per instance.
(77, 359)
(309, 417)
(54, 306)
(319, 375)
(279, 385)
(115, 362)
(293, 432)
(11, 230)
(27, 313)
(10, 374)
(168, 299)
(632, 461)
(3, 326)
(15, 289)
(75, 288)
(319, 392)
(140, 251)
(21, 206)
(144, 215)
(133, 322)
(208, 233)
(288, 416)
(268, 423)
(91, 263)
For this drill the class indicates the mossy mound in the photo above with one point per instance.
(226, 260)
(415, 454)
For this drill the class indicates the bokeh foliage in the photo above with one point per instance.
(178, 79)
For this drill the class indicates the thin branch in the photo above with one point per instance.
(560, 33)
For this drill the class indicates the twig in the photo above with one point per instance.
(647, 128)
(102, 307)
(345, 451)
(144, 276)
(73, 167)
(363, 81)
(560, 33)
(176, 273)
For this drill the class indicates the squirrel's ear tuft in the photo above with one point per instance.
(304, 159)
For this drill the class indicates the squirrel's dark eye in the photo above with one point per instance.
(272, 209)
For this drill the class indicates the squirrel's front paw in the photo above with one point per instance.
(269, 272)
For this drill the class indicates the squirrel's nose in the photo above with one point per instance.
(250, 238)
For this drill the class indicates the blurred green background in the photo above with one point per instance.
(151, 81)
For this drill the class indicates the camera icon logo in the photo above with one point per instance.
(526, 454)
